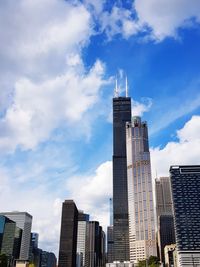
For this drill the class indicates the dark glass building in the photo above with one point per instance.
(68, 234)
(10, 239)
(23, 221)
(95, 245)
(165, 223)
(121, 115)
(185, 185)
(110, 243)
(166, 233)
(48, 259)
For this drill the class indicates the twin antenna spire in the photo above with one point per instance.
(116, 91)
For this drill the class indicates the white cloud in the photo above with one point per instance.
(119, 21)
(165, 17)
(158, 19)
(138, 108)
(184, 151)
(38, 108)
(35, 33)
(49, 85)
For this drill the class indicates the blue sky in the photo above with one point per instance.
(58, 64)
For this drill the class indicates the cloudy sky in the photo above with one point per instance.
(58, 64)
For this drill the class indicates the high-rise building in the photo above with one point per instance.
(94, 245)
(140, 196)
(8, 228)
(185, 186)
(33, 253)
(121, 115)
(68, 234)
(102, 261)
(110, 240)
(163, 196)
(165, 222)
(83, 220)
(23, 221)
(48, 259)
(110, 248)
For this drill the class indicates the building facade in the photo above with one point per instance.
(121, 115)
(95, 245)
(83, 220)
(165, 222)
(163, 196)
(68, 234)
(110, 243)
(140, 196)
(185, 186)
(10, 239)
(23, 221)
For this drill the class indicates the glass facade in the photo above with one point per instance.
(68, 234)
(83, 220)
(166, 233)
(186, 202)
(140, 195)
(24, 221)
(185, 184)
(121, 115)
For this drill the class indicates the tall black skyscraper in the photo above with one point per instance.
(68, 235)
(121, 115)
(185, 184)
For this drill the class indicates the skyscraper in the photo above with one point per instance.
(163, 196)
(121, 115)
(165, 222)
(140, 195)
(110, 242)
(24, 221)
(68, 234)
(185, 185)
(83, 220)
(110, 251)
(95, 245)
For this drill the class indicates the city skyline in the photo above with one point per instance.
(57, 77)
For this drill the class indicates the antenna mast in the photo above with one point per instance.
(116, 92)
(126, 87)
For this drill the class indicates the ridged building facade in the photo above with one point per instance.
(140, 192)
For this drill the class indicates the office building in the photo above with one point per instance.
(140, 196)
(33, 253)
(166, 234)
(110, 240)
(83, 220)
(10, 239)
(95, 245)
(185, 187)
(165, 223)
(7, 236)
(68, 234)
(23, 221)
(34, 239)
(48, 259)
(121, 115)
(163, 196)
(103, 249)
(110, 247)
